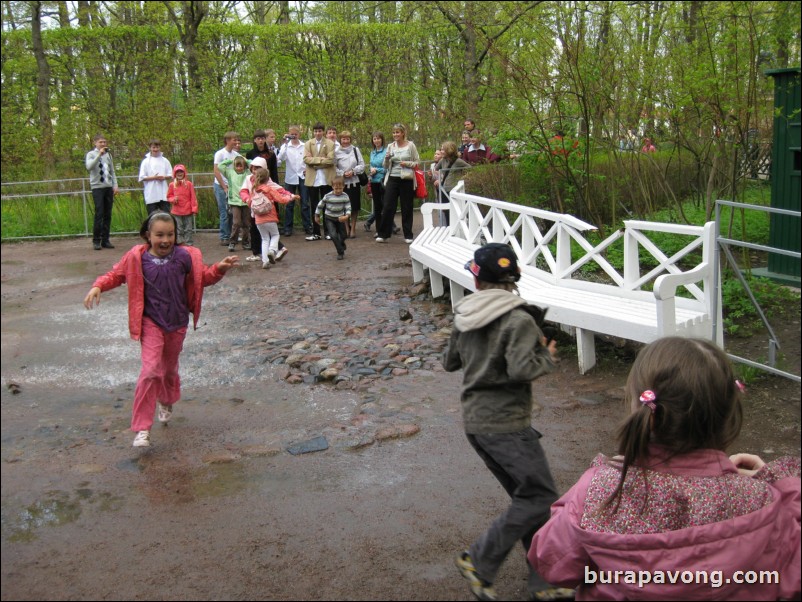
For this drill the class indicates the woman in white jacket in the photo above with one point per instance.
(349, 163)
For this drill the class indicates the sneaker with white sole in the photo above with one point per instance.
(271, 256)
(380, 239)
(281, 253)
(142, 439)
(253, 258)
(165, 413)
(480, 588)
(408, 241)
(265, 265)
(554, 594)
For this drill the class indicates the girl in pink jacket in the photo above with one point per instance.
(259, 183)
(672, 517)
(165, 283)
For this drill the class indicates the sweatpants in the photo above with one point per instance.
(158, 380)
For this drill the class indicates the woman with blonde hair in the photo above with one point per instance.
(400, 162)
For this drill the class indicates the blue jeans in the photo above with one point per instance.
(289, 210)
(222, 206)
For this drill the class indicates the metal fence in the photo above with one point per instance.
(723, 244)
(67, 197)
(45, 206)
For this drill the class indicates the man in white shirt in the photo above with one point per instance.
(232, 143)
(154, 172)
(291, 154)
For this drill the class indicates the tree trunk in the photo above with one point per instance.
(42, 90)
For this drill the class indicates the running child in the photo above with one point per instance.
(165, 284)
(672, 502)
(261, 194)
(335, 208)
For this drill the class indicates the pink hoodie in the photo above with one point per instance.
(181, 194)
(567, 552)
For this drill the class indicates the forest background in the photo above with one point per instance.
(689, 74)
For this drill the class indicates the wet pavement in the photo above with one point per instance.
(317, 452)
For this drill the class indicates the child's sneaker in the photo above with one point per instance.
(479, 587)
(253, 258)
(552, 594)
(265, 265)
(165, 413)
(231, 246)
(271, 256)
(281, 253)
(142, 439)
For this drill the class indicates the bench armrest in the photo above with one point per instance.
(427, 209)
(665, 286)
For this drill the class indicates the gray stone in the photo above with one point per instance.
(319, 443)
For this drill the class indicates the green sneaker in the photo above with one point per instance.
(479, 587)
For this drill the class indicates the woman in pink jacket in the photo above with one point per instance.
(672, 517)
(165, 283)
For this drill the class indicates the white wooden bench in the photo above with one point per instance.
(612, 303)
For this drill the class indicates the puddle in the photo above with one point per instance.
(55, 509)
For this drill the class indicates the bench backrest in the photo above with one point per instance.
(553, 247)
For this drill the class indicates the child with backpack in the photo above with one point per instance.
(261, 194)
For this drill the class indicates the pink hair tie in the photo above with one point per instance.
(741, 386)
(647, 398)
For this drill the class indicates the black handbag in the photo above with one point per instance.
(363, 177)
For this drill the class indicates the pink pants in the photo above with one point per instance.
(159, 380)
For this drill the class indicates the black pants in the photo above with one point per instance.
(397, 190)
(315, 194)
(335, 229)
(104, 199)
(158, 206)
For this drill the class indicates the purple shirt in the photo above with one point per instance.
(165, 295)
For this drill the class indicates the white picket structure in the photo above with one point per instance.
(612, 302)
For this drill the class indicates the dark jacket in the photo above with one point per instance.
(496, 342)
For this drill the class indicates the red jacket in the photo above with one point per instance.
(129, 271)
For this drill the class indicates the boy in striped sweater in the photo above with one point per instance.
(335, 207)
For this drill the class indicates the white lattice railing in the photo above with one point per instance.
(553, 252)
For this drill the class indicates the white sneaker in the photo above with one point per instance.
(408, 241)
(271, 257)
(379, 239)
(253, 258)
(265, 265)
(142, 439)
(165, 413)
(281, 253)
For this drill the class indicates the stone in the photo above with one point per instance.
(316, 444)
(220, 457)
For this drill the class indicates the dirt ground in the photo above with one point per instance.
(216, 508)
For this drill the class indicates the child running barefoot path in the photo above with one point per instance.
(165, 283)
(673, 503)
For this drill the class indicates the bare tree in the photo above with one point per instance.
(42, 88)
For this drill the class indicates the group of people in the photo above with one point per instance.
(388, 173)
